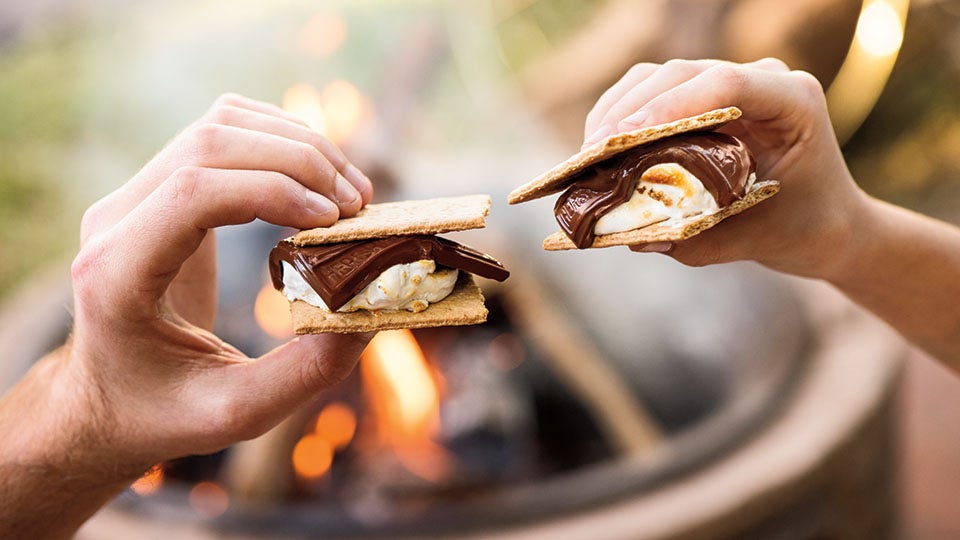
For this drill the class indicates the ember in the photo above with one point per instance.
(149, 483)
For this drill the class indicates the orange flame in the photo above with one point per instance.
(272, 312)
(406, 401)
(149, 483)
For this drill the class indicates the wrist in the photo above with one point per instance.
(846, 251)
(56, 467)
(55, 420)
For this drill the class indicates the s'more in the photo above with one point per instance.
(662, 183)
(385, 268)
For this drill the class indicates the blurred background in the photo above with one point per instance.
(568, 407)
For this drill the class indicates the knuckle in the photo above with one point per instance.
(322, 374)
(183, 184)
(208, 139)
(278, 186)
(673, 63)
(806, 82)
(225, 114)
(728, 75)
(228, 98)
(774, 62)
(679, 65)
(312, 162)
(640, 68)
(328, 150)
(85, 270)
(91, 222)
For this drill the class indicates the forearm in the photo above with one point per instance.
(55, 470)
(905, 267)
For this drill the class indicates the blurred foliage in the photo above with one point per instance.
(908, 150)
(531, 29)
(86, 101)
(38, 120)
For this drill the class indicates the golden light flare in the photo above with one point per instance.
(272, 312)
(209, 500)
(337, 111)
(304, 100)
(336, 424)
(312, 457)
(879, 29)
(149, 483)
(870, 59)
(322, 35)
(344, 109)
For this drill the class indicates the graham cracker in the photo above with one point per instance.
(559, 177)
(669, 232)
(428, 216)
(463, 306)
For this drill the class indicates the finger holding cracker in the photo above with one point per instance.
(385, 269)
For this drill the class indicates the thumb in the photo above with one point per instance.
(281, 380)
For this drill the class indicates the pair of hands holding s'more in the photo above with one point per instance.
(142, 378)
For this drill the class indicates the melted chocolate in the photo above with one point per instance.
(339, 271)
(721, 162)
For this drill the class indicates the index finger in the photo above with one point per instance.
(157, 237)
(635, 75)
(760, 94)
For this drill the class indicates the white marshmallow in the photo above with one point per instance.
(412, 287)
(653, 202)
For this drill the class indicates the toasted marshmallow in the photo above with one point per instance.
(412, 287)
(666, 191)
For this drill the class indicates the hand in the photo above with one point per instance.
(142, 379)
(786, 126)
(161, 385)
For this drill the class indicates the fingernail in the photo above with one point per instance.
(653, 247)
(635, 120)
(320, 205)
(346, 193)
(600, 133)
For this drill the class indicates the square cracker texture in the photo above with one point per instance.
(557, 178)
(661, 232)
(463, 306)
(428, 216)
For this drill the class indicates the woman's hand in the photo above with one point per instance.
(786, 126)
(901, 265)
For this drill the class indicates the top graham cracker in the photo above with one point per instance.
(557, 178)
(428, 216)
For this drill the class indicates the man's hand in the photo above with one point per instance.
(143, 379)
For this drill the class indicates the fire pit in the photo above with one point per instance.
(519, 425)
